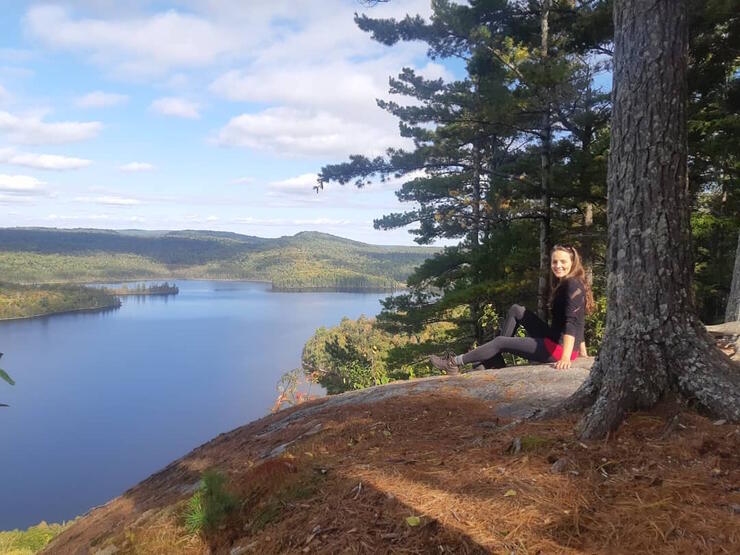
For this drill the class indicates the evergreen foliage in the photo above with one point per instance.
(511, 158)
(210, 506)
(357, 354)
(714, 144)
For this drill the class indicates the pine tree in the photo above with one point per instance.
(654, 342)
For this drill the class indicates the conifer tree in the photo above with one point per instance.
(654, 343)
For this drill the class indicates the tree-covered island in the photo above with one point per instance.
(28, 301)
(141, 289)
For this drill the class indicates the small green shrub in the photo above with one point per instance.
(35, 538)
(210, 505)
(595, 327)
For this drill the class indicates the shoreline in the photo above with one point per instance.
(93, 309)
(228, 280)
(68, 311)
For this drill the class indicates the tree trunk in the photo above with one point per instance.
(475, 311)
(732, 313)
(654, 343)
(588, 259)
(543, 292)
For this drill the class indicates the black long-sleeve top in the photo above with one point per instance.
(569, 311)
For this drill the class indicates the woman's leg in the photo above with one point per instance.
(534, 325)
(518, 315)
(531, 348)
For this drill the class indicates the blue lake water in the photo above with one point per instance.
(103, 400)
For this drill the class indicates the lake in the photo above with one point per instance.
(103, 400)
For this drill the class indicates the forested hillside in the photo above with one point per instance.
(304, 261)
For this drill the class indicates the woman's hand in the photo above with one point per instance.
(563, 364)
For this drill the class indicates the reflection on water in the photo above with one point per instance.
(104, 399)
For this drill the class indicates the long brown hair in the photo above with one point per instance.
(577, 271)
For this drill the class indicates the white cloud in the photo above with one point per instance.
(323, 222)
(15, 55)
(32, 130)
(110, 199)
(243, 181)
(21, 185)
(301, 185)
(41, 161)
(315, 85)
(178, 107)
(294, 132)
(15, 199)
(82, 219)
(135, 44)
(307, 59)
(343, 84)
(136, 167)
(100, 99)
(269, 222)
(198, 219)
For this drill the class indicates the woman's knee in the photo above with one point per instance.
(516, 311)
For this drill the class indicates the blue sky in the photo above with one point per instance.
(197, 114)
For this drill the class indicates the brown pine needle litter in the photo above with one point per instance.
(436, 474)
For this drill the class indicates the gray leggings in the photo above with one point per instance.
(532, 348)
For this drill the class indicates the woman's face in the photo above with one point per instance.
(560, 263)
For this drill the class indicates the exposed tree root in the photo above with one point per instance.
(693, 370)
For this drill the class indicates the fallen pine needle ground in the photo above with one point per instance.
(434, 474)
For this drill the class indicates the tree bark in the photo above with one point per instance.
(475, 311)
(543, 293)
(732, 313)
(654, 343)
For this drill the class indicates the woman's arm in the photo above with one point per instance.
(568, 342)
(582, 350)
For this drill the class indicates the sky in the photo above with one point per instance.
(197, 114)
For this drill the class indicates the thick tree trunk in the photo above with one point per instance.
(654, 343)
(732, 313)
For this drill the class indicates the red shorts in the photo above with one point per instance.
(556, 349)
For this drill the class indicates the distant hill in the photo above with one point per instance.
(306, 261)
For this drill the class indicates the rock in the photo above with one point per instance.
(728, 328)
(277, 450)
(728, 337)
(515, 446)
(735, 508)
(190, 488)
(109, 550)
(281, 448)
(559, 466)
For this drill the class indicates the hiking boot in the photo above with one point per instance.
(446, 364)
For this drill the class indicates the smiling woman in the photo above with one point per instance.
(571, 300)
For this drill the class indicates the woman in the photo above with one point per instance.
(570, 300)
